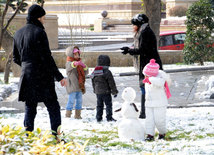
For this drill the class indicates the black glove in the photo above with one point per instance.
(125, 50)
(115, 96)
(131, 52)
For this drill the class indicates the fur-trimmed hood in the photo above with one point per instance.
(103, 60)
(69, 51)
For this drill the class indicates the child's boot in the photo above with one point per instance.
(111, 120)
(68, 113)
(149, 138)
(161, 136)
(77, 114)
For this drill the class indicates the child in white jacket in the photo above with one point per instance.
(157, 92)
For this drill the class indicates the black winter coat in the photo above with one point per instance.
(31, 51)
(104, 84)
(147, 50)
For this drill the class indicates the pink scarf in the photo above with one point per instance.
(168, 94)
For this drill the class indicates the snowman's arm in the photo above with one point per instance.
(118, 110)
(135, 107)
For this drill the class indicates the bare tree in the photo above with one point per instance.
(73, 19)
(6, 38)
(3, 14)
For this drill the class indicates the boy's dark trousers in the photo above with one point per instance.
(142, 111)
(53, 110)
(101, 99)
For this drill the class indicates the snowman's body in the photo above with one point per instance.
(130, 127)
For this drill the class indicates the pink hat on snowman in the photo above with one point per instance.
(151, 69)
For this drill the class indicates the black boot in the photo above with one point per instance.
(142, 113)
(99, 120)
(149, 138)
(161, 136)
(111, 120)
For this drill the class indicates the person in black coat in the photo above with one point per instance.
(103, 86)
(145, 45)
(38, 70)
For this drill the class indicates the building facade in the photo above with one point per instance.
(85, 12)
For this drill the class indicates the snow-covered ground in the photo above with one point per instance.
(7, 89)
(190, 130)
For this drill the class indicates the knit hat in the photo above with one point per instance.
(151, 69)
(35, 12)
(139, 19)
(76, 50)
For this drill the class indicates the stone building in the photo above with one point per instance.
(85, 12)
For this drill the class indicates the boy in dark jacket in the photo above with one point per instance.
(104, 85)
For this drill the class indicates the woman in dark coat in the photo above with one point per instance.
(145, 45)
(31, 51)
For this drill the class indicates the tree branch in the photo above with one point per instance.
(4, 13)
(2, 30)
(42, 3)
(11, 18)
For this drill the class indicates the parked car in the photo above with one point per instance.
(172, 40)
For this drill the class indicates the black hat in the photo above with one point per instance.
(139, 19)
(35, 12)
(103, 60)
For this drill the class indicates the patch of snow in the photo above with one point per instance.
(208, 83)
(182, 94)
(192, 122)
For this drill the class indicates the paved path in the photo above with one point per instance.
(183, 89)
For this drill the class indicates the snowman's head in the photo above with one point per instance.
(129, 94)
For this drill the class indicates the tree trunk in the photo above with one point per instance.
(1, 38)
(7, 67)
(1, 33)
(7, 44)
(153, 11)
(6, 39)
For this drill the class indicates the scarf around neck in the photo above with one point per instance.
(137, 35)
(80, 72)
(98, 71)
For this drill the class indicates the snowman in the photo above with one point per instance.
(130, 127)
